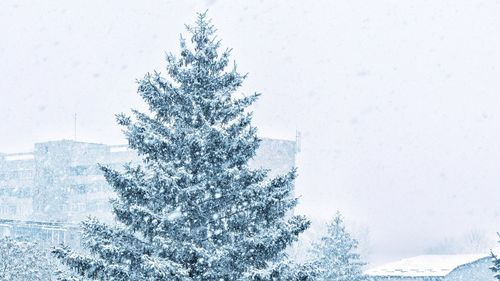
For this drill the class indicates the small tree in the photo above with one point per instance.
(193, 209)
(335, 257)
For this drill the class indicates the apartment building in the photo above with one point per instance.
(60, 181)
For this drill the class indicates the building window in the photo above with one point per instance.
(8, 210)
(78, 170)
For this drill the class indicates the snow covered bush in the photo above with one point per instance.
(22, 260)
(193, 209)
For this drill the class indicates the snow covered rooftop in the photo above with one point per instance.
(119, 148)
(428, 265)
(18, 156)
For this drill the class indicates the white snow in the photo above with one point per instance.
(19, 156)
(426, 265)
(119, 148)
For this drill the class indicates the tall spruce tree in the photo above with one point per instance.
(192, 209)
(335, 257)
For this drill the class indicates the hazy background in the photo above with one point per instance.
(397, 101)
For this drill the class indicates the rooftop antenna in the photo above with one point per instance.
(75, 128)
(298, 139)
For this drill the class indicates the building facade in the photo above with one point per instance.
(45, 234)
(60, 183)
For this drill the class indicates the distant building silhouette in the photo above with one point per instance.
(43, 233)
(60, 182)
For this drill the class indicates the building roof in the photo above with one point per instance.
(39, 224)
(427, 265)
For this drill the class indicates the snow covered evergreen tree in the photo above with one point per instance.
(193, 209)
(496, 263)
(496, 266)
(335, 257)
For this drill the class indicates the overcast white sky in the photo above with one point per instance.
(397, 101)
